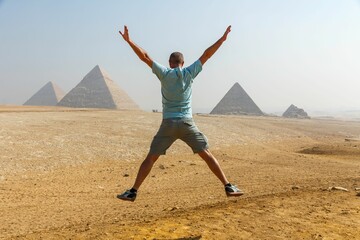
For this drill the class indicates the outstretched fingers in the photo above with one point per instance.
(228, 29)
(125, 35)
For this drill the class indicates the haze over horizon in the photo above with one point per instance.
(305, 53)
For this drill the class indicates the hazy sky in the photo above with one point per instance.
(281, 52)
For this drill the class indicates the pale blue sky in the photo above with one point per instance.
(281, 52)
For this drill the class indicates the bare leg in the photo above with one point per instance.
(145, 169)
(214, 166)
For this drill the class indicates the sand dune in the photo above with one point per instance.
(61, 168)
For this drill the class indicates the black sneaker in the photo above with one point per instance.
(127, 196)
(232, 190)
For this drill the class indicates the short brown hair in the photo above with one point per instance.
(176, 58)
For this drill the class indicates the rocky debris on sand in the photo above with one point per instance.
(295, 112)
(295, 187)
(338, 189)
(357, 189)
(161, 166)
(171, 209)
(350, 139)
(126, 175)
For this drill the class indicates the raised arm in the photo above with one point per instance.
(213, 48)
(141, 53)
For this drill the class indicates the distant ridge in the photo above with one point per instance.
(237, 102)
(98, 90)
(49, 95)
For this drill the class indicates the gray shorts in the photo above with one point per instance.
(178, 128)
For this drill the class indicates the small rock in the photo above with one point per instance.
(161, 166)
(295, 187)
(126, 175)
(357, 189)
(170, 209)
(345, 211)
(358, 194)
(338, 188)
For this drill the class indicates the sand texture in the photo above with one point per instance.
(61, 169)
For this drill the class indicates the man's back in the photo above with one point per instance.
(176, 88)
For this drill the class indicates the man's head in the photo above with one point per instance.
(176, 60)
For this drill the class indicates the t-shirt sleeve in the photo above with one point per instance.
(159, 70)
(195, 68)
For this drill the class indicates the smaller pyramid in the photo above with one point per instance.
(49, 95)
(98, 90)
(237, 102)
(295, 112)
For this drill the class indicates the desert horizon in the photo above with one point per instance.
(342, 115)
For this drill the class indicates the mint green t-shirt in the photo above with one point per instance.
(176, 88)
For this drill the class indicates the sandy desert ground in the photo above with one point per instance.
(60, 171)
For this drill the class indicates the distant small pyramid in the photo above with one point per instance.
(49, 95)
(97, 90)
(237, 102)
(295, 112)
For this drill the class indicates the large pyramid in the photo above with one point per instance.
(49, 95)
(237, 102)
(97, 90)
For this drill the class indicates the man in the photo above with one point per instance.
(176, 89)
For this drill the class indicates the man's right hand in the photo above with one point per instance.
(125, 35)
(213, 48)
